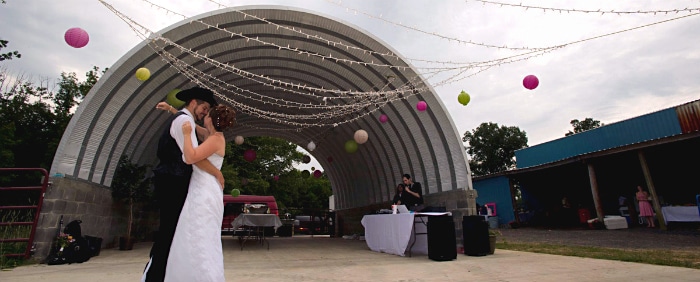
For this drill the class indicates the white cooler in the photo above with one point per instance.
(615, 222)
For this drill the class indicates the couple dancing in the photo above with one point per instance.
(188, 245)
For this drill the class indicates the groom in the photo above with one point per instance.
(172, 175)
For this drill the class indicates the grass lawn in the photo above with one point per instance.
(689, 259)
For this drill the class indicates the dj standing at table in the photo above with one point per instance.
(414, 193)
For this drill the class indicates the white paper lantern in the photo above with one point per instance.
(361, 136)
(311, 146)
(238, 140)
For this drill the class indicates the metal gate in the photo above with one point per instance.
(5, 209)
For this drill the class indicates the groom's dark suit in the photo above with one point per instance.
(172, 179)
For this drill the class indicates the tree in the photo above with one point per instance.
(492, 148)
(130, 186)
(581, 126)
(3, 44)
(35, 118)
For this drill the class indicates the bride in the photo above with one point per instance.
(196, 252)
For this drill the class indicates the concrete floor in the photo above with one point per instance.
(305, 258)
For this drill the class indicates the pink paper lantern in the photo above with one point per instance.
(76, 37)
(317, 173)
(276, 177)
(330, 159)
(383, 118)
(249, 155)
(422, 106)
(531, 82)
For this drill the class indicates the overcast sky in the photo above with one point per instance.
(610, 79)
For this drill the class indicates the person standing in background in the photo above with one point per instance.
(645, 209)
(414, 197)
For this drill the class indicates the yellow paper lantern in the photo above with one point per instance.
(143, 74)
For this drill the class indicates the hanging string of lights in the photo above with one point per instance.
(599, 11)
(326, 107)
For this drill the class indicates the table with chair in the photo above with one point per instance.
(250, 226)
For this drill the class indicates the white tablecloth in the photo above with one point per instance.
(392, 233)
(258, 220)
(681, 213)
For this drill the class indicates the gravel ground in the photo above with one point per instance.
(677, 238)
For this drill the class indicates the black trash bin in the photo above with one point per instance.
(287, 228)
(475, 232)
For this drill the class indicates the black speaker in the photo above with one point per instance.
(442, 244)
(475, 231)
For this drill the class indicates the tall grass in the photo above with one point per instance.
(11, 232)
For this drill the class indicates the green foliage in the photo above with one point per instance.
(35, 118)
(492, 148)
(8, 55)
(581, 126)
(131, 186)
(12, 232)
(274, 157)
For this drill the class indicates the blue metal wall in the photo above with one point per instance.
(496, 190)
(652, 126)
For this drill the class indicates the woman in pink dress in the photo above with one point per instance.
(645, 209)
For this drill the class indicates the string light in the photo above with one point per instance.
(599, 11)
(328, 107)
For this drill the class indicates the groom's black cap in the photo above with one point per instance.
(198, 93)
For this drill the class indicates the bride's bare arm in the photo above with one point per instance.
(198, 156)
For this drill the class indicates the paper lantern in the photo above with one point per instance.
(422, 106)
(174, 101)
(317, 173)
(249, 155)
(143, 74)
(383, 118)
(531, 82)
(76, 37)
(305, 174)
(463, 98)
(306, 159)
(361, 136)
(235, 192)
(311, 146)
(329, 159)
(313, 168)
(238, 140)
(276, 178)
(351, 146)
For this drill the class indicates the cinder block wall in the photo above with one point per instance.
(73, 199)
(459, 202)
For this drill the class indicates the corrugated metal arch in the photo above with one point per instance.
(117, 116)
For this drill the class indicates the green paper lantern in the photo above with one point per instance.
(235, 192)
(351, 146)
(174, 101)
(463, 98)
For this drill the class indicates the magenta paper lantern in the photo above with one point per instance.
(422, 106)
(249, 155)
(317, 173)
(276, 177)
(383, 118)
(531, 82)
(76, 37)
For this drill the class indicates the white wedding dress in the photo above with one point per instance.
(196, 254)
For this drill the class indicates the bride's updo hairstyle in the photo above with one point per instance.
(222, 117)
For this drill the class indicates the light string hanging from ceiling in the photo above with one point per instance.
(599, 11)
